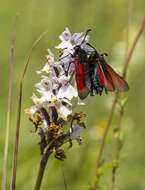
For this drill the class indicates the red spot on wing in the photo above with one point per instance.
(101, 76)
(118, 82)
(79, 72)
(104, 80)
(110, 79)
(80, 79)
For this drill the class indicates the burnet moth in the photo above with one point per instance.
(103, 75)
(92, 72)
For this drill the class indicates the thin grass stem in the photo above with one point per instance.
(18, 123)
(110, 117)
(9, 105)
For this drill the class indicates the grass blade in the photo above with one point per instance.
(64, 179)
(16, 145)
(110, 117)
(9, 102)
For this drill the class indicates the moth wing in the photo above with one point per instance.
(110, 79)
(83, 91)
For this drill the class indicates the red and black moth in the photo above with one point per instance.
(80, 75)
(93, 74)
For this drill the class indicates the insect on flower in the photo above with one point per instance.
(80, 71)
(103, 76)
(92, 73)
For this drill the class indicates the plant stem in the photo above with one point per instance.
(55, 144)
(18, 123)
(119, 146)
(64, 180)
(126, 64)
(42, 166)
(6, 146)
(119, 143)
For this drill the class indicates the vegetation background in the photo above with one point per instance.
(109, 22)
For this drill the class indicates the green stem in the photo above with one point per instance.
(41, 170)
(56, 143)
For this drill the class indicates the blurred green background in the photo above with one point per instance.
(108, 20)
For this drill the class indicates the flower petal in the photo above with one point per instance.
(63, 111)
(67, 92)
(66, 35)
(75, 131)
(65, 45)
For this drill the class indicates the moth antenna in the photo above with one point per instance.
(91, 46)
(89, 30)
(65, 56)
